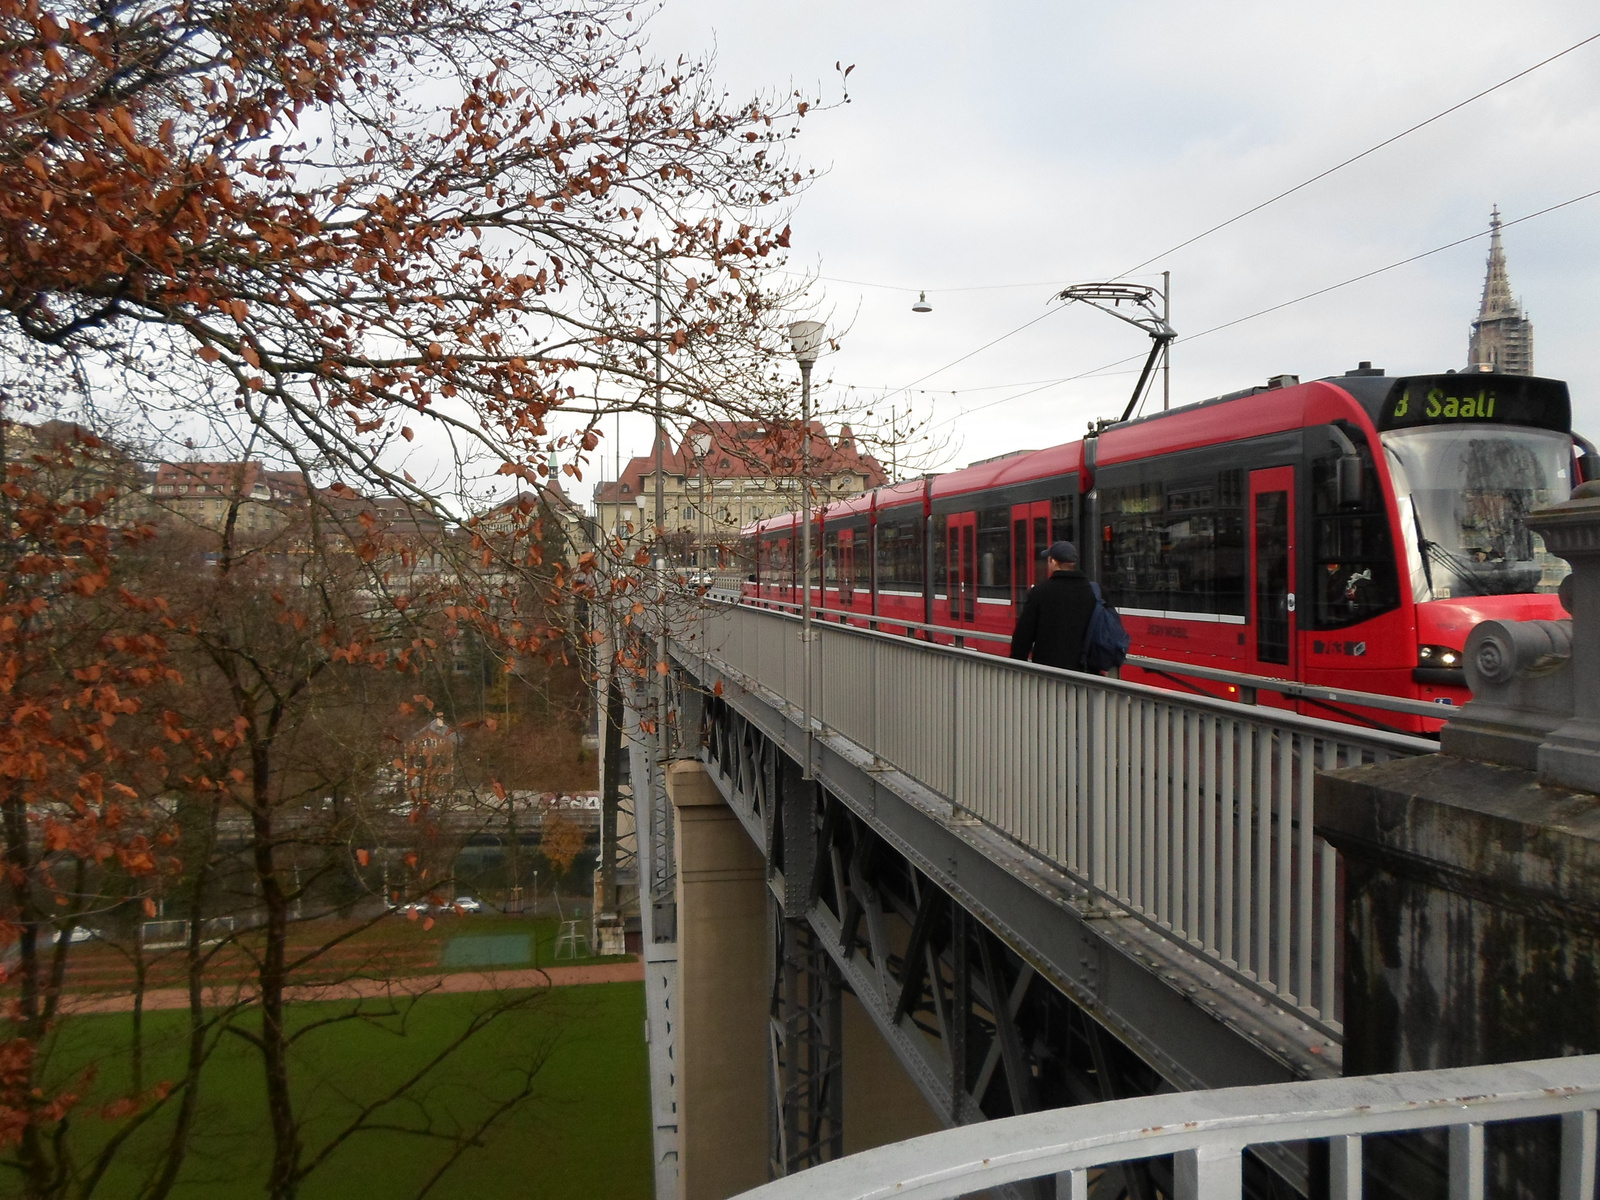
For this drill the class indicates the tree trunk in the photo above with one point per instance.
(32, 1151)
(283, 1180)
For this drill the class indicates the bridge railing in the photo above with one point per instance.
(1207, 1132)
(1190, 813)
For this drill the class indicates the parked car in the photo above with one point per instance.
(80, 933)
(467, 904)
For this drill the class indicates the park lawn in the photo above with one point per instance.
(586, 1131)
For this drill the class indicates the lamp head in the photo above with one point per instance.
(922, 304)
(806, 337)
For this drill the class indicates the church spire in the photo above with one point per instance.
(1502, 338)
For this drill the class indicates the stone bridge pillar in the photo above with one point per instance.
(723, 979)
(1472, 876)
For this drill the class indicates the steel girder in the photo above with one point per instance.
(805, 1028)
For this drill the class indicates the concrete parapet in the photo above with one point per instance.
(1471, 935)
(722, 993)
(1570, 756)
(1472, 913)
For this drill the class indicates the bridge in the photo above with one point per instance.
(889, 886)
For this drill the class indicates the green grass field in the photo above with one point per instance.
(585, 1132)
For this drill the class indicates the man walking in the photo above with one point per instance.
(1055, 616)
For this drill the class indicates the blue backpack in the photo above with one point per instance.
(1107, 642)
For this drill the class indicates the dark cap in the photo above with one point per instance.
(1062, 552)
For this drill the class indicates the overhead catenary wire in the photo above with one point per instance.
(1322, 291)
(1471, 237)
(1355, 158)
(1373, 149)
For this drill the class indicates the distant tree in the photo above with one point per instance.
(561, 839)
(81, 757)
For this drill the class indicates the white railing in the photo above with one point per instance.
(1191, 813)
(1207, 1132)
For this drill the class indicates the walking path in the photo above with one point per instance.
(373, 989)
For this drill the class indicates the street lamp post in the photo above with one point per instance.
(661, 508)
(806, 337)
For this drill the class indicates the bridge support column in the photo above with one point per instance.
(722, 993)
(881, 1102)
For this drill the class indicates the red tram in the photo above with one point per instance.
(1346, 533)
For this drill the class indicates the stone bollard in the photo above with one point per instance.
(1472, 876)
(1570, 756)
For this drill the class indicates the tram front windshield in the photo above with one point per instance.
(1463, 494)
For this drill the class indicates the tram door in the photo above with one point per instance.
(1030, 538)
(1270, 635)
(961, 570)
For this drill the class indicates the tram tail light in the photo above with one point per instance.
(1438, 656)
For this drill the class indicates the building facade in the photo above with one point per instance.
(1502, 337)
(722, 476)
(202, 494)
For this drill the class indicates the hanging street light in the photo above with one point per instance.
(922, 304)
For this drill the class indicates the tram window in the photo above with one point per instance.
(830, 558)
(1019, 556)
(782, 563)
(994, 553)
(1272, 577)
(968, 566)
(1355, 577)
(861, 558)
(1175, 547)
(1063, 522)
(900, 549)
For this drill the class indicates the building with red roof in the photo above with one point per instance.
(724, 474)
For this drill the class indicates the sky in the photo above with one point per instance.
(1041, 144)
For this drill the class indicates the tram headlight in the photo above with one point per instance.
(1438, 656)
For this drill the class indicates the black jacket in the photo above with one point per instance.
(1055, 621)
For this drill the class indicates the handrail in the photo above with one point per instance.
(1207, 1132)
(1265, 683)
(1262, 683)
(1191, 813)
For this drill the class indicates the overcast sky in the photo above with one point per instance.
(1048, 143)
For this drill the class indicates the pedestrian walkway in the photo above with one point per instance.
(372, 989)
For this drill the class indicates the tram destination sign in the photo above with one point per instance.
(1497, 399)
